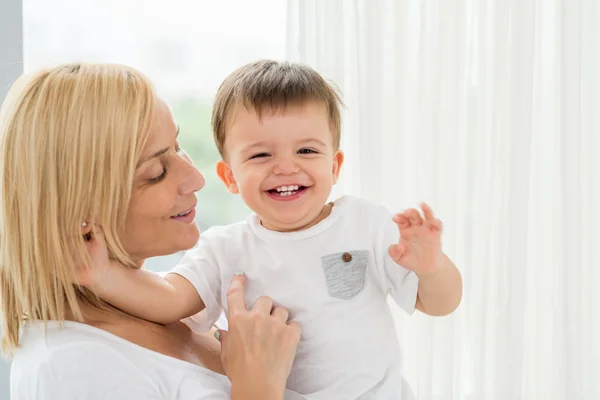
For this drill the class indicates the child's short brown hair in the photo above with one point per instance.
(269, 85)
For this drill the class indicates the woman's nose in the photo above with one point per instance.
(193, 180)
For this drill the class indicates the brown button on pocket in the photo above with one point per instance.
(347, 257)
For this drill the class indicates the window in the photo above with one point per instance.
(187, 47)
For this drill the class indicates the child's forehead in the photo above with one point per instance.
(248, 127)
(258, 112)
(289, 124)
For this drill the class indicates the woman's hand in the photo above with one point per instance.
(259, 348)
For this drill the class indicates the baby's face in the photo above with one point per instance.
(283, 164)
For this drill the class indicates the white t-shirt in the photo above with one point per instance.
(80, 362)
(334, 278)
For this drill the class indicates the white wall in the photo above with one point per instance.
(11, 66)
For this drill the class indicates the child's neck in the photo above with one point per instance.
(325, 212)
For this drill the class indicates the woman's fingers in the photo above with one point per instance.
(235, 295)
(263, 305)
(295, 333)
(221, 336)
(280, 314)
(260, 344)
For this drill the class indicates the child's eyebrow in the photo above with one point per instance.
(313, 141)
(253, 145)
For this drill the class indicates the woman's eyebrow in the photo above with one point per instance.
(158, 153)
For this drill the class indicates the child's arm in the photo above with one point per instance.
(147, 295)
(440, 293)
(141, 293)
(419, 250)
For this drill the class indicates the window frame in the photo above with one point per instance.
(11, 67)
(11, 48)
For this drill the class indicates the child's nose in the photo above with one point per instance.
(286, 167)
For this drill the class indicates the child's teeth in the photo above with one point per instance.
(283, 194)
(287, 188)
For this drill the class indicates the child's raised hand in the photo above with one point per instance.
(419, 248)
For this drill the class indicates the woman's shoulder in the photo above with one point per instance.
(73, 360)
(40, 342)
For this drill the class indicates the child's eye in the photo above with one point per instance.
(307, 151)
(259, 155)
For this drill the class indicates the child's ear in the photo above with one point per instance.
(226, 176)
(338, 160)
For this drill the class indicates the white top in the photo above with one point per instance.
(334, 278)
(77, 361)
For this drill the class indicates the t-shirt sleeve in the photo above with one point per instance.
(399, 282)
(88, 371)
(200, 267)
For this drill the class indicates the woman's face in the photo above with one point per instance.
(160, 220)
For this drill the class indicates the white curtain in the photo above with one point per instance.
(490, 111)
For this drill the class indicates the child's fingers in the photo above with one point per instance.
(85, 227)
(92, 231)
(436, 225)
(427, 212)
(86, 231)
(396, 251)
(414, 216)
(94, 237)
(401, 220)
(98, 235)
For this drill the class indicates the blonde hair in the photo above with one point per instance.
(268, 85)
(70, 139)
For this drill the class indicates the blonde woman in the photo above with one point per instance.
(86, 149)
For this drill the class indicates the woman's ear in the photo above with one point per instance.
(226, 176)
(338, 160)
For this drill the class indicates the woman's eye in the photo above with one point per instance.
(306, 151)
(159, 177)
(259, 155)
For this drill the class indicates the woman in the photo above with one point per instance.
(90, 162)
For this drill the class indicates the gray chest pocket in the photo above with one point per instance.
(345, 273)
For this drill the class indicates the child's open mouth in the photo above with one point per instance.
(289, 192)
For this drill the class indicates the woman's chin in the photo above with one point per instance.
(166, 244)
(189, 239)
